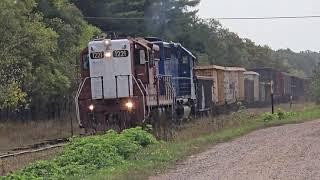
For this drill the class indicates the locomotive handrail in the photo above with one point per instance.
(80, 90)
(143, 97)
(147, 94)
(178, 78)
(170, 85)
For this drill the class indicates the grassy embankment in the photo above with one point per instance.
(136, 155)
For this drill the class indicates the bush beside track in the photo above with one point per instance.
(85, 156)
(136, 154)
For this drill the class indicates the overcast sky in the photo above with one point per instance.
(296, 34)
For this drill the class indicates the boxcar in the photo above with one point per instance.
(237, 82)
(228, 83)
(217, 73)
(298, 88)
(252, 90)
(287, 87)
(205, 93)
(266, 76)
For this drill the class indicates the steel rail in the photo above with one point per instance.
(32, 151)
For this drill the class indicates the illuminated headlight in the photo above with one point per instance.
(129, 105)
(108, 54)
(91, 107)
(107, 42)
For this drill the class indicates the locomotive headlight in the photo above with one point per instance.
(107, 42)
(129, 105)
(108, 54)
(91, 107)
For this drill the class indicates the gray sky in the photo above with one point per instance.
(296, 34)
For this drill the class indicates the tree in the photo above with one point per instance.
(315, 83)
(169, 18)
(24, 40)
(39, 46)
(103, 11)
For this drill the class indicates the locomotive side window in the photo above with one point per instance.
(140, 57)
(168, 53)
(184, 59)
(85, 60)
(151, 55)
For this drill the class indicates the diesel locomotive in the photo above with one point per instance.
(124, 82)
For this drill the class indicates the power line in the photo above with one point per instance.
(271, 17)
(217, 18)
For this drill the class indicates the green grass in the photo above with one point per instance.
(157, 158)
(135, 154)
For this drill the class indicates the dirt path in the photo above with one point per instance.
(287, 152)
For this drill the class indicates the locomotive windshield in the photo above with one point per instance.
(85, 59)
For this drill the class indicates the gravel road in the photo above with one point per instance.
(286, 152)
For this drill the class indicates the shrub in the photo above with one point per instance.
(266, 117)
(281, 114)
(83, 156)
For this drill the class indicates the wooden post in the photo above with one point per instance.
(272, 97)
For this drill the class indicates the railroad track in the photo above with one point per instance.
(43, 146)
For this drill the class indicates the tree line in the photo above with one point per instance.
(41, 40)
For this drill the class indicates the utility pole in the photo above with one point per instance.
(272, 96)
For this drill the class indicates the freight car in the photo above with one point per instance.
(227, 89)
(285, 86)
(298, 88)
(268, 75)
(252, 88)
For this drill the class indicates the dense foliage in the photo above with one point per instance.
(39, 44)
(41, 41)
(84, 156)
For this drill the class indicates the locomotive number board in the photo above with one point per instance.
(120, 53)
(97, 55)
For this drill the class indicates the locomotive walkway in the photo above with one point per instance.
(286, 152)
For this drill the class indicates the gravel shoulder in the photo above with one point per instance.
(286, 152)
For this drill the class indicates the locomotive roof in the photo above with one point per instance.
(167, 44)
(187, 51)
